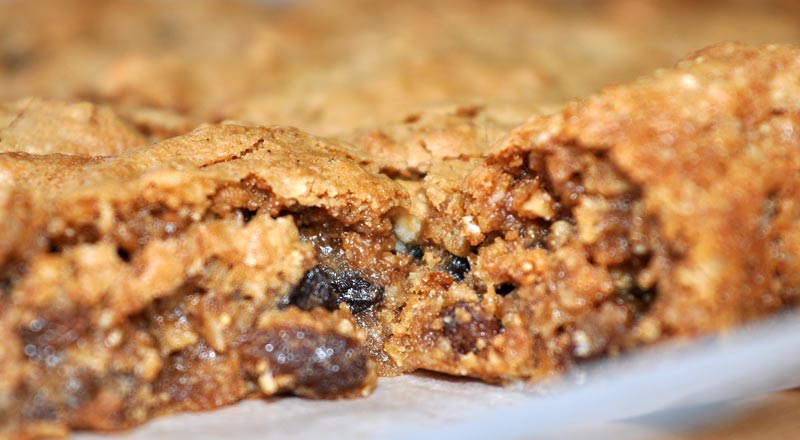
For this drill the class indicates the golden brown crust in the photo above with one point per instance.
(421, 140)
(293, 167)
(39, 126)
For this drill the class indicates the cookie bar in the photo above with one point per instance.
(168, 277)
(240, 261)
(666, 208)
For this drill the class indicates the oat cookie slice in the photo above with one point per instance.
(175, 276)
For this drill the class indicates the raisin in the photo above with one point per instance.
(15, 60)
(5, 286)
(323, 287)
(199, 378)
(357, 292)
(38, 406)
(45, 338)
(319, 364)
(457, 267)
(637, 300)
(504, 289)
(414, 250)
(464, 336)
(644, 295)
(123, 254)
(627, 292)
(248, 214)
(314, 290)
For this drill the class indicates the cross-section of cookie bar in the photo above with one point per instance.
(186, 275)
(665, 208)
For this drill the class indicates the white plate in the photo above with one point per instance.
(677, 385)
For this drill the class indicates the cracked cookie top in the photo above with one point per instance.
(215, 171)
(39, 126)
